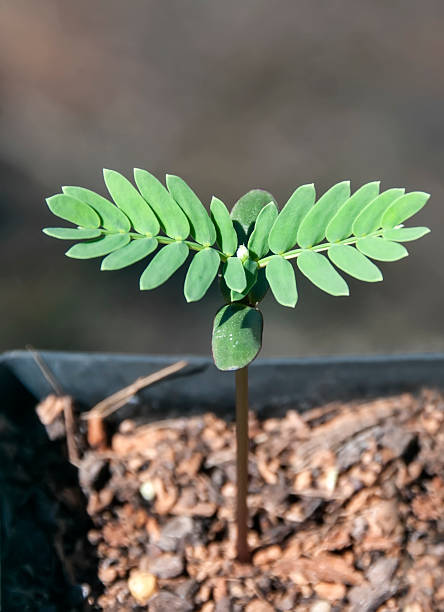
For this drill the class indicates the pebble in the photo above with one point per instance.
(187, 589)
(175, 532)
(414, 607)
(167, 566)
(141, 585)
(320, 606)
(147, 491)
(167, 602)
(382, 570)
(332, 591)
(107, 574)
(127, 426)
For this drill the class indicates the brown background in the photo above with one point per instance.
(230, 95)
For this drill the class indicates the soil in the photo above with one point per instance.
(346, 506)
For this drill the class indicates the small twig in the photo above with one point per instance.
(68, 413)
(47, 374)
(123, 396)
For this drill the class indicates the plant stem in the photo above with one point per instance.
(243, 553)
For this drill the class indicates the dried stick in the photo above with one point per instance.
(123, 396)
(66, 400)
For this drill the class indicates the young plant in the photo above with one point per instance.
(250, 249)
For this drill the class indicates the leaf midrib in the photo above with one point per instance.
(323, 246)
(293, 254)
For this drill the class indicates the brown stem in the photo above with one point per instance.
(243, 553)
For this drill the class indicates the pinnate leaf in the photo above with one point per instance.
(69, 208)
(129, 254)
(351, 261)
(98, 248)
(284, 232)
(258, 241)
(246, 210)
(381, 249)
(340, 226)
(404, 208)
(71, 233)
(370, 217)
(280, 275)
(111, 216)
(201, 274)
(163, 265)
(126, 196)
(234, 274)
(201, 226)
(313, 226)
(405, 234)
(237, 336)
(169, 213)
(321, 273)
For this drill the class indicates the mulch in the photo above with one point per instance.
(346, 513)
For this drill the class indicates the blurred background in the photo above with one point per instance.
(229, 95)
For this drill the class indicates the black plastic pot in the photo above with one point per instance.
(35, 467)
(275, 384)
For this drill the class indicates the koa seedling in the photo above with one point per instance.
(250, 249)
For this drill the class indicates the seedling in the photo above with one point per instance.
(249, 249)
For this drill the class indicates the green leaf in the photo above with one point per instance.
(129, 254)
(225, 233)
(163, 265)
(313, 226)
(237, 336)
(112, 217)
(284, 232)
(340, 226)
(234, 274)
(405, 234)
(404, 208)
(246, 210)
(226, 292)
(71, 233)
(321, 273)
(351, 261)
(258, 241)
(280, 275)
(381, 249)
(126, 196)
(369, 219)
(172, 219)
(71, 209)
(250, 268)
(98, 248)
(260, 288)
(201, 226)
(201, 273)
